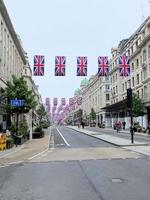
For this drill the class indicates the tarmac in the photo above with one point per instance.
(139, 147)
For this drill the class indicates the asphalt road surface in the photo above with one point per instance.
(78, 167)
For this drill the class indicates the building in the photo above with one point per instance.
(12, 58)
(137, 47)
(13, 61)
(95, 94)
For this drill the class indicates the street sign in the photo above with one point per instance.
(17, 102)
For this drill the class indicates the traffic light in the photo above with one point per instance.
(129, 98)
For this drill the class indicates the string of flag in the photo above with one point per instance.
(82, 65)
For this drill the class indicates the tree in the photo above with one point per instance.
(138, 108)
(18, 89)
(41, 113)
(92, 114)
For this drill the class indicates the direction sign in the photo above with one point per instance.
(17, 102)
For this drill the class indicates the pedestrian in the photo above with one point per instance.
(148, 127)
(117, 126)
(82, 124)
(124, 125)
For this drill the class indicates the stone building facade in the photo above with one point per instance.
(137, 47)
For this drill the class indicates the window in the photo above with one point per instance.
(116, 89)
(129, 83)
(136, 44)
(132, 81)
(142, 93)
(123, 87)
(149, 51)
(138, 93)
(132, 50)
(144, 55)
(107, 97)
(132, 67)
(137, 78)
(137, 63)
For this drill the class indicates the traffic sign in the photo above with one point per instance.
(17, 102)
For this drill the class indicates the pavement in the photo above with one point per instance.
(139, 147)
(115, 140)
(25, 152)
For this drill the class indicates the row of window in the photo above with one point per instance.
(11, 62)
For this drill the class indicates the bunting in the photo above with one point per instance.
(124, 66)
(103, 68)
(81, 66)
(38, 69)
(60, 62)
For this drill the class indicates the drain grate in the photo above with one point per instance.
(117, 180)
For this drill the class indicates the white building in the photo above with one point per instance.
(137, 47)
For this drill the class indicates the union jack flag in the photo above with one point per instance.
(71, 101)
(38, 69)
(124, 66)
(63, 101)
(79, 101)
(60, 62)
(103, 67)
(55, 101)
(81, 66)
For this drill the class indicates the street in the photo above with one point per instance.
(77, 166)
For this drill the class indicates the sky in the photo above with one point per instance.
(72, 28)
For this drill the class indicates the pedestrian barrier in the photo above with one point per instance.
(2, 141)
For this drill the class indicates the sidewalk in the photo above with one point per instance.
(26, 151)
(111, 130)
(115, 140)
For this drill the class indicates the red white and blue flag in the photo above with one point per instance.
(79, 101)
(81, 66)
(71, 101)
(63, 101)
(124, 66)
(60, 63)
(38, 69)
(103, 66)
(55, 101)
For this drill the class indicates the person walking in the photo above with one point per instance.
(82, 124)
(124, 125)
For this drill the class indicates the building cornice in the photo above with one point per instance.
(11, 29)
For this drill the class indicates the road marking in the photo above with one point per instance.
(17, 162)
(63, 137)
(37, 154)
(12, 152)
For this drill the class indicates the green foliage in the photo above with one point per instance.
(92, 114)
(18, 89)
(13, 128)
(9, 142)
(38, 129)
(41, 113)
(23, 128)
(138, 108)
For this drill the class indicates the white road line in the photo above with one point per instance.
(63, 137)
(37, 154)
(12, 152)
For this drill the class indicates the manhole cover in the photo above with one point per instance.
(117, 180)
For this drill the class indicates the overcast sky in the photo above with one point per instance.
(72, 28)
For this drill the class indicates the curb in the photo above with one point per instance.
(109, 141)
(95, 137)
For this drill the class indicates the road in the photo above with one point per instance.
(77, 166)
